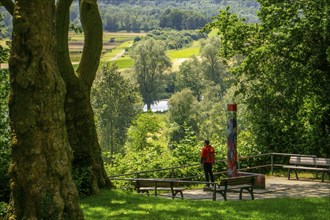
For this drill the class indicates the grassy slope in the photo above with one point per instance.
(126, 61)
(193, 50)
(119, 204)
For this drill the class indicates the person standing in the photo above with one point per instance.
(207, 161)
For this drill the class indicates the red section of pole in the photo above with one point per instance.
(232, 107)
(232, 140)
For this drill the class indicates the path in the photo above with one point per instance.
(276, 187)
(118, 55)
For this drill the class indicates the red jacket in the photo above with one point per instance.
(207, 154)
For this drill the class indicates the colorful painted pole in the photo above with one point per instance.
(232, 140)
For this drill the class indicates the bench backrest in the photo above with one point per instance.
(323, 162)
(152, 183)
(237, 181)
(302, 160)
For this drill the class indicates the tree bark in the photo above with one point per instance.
(41, 182)
(88, 165)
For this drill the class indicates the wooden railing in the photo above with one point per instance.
(270, 165)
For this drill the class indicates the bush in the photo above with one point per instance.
(4, 136)
(3, 209)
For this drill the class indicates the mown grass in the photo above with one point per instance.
(111, 54)
(124, 62)
(193, 50)
(119, 204)
(127, 62)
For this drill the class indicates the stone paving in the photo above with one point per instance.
(276, 187)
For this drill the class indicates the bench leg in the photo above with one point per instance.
(176, 192)
(296, 174)
(322, 176)
(181, 193)
(224, 194)
(250, 190)
(144, 191)
(240, 194)
(214, 197)
(289, 172)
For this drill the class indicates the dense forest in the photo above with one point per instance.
(136, 16)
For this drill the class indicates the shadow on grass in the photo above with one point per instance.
(118, 204)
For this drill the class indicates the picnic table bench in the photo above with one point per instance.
(308, 163)
(156, 185)
(228, 184)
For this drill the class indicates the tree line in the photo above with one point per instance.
(138, 16)
(179, 15)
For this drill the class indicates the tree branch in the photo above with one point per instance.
(92, 26)
(62, 31)
(9, 5)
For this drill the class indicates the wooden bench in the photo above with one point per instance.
(308, 163)
(146, 185)
(228, 184)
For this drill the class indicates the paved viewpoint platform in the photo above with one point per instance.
(276, 187)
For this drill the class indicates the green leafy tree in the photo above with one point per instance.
(285, 73)
(144, 127)
(150, 64)
(190, 76)
(116, 102)
(213, 116)
(4, 125)
(183, 113)
(187, 151)
(4, 136)
(212, 65)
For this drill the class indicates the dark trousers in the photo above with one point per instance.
(208, 172)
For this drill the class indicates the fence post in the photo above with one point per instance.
(272, 162)
(238, 164)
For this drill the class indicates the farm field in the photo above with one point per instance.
(113, 43)
(115, 46)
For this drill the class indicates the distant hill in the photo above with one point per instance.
(158, 2)
(146, 15)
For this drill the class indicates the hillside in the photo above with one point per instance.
(146, 15)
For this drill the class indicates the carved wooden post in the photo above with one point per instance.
(232, 140)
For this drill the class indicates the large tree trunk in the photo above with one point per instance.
(88, 168)
(41, 182)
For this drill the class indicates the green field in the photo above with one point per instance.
(193, 50)
(121, 42)
(113, 43)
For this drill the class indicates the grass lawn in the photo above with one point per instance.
(124, 62)
(120, 204)
(185, 52)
